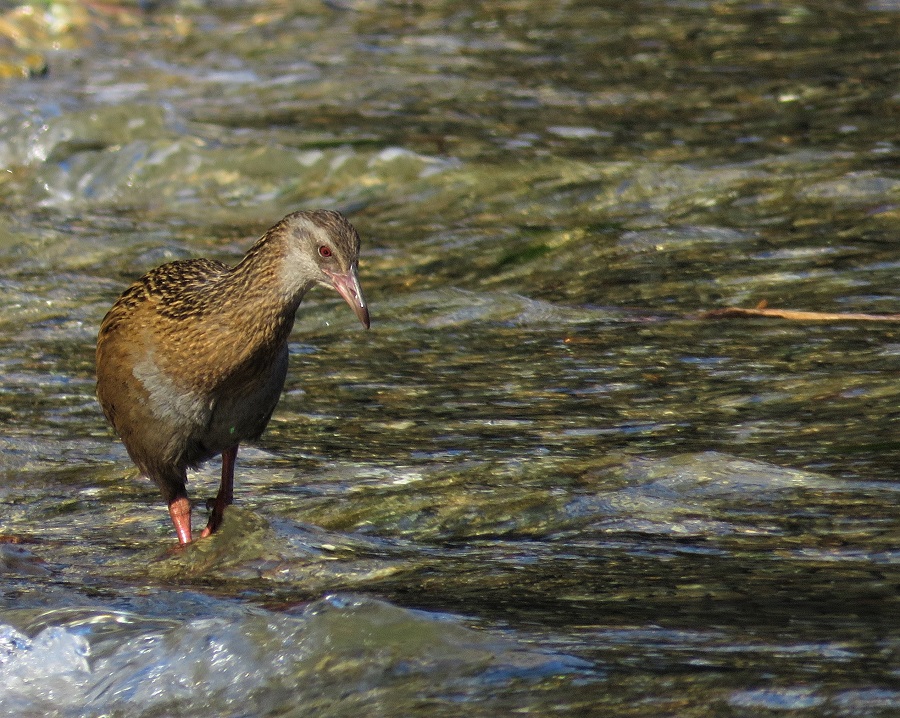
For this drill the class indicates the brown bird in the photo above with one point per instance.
(192, 358)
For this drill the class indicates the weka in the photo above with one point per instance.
(192, 358)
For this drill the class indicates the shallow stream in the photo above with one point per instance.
(543, 482)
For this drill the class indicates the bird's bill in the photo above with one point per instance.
(347, 285)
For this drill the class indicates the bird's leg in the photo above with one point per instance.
(226, 492)
(180, 511)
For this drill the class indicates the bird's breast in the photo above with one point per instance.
(242, 407)
(171, 399)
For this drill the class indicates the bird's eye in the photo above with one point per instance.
(325, 251)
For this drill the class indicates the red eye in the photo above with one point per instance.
(324, 251)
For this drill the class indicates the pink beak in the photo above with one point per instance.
(347, 285)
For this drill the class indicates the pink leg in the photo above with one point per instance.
(180, 511)
(226, 492)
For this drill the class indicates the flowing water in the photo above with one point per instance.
(543, 482)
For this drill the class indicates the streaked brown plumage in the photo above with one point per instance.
(192, 358)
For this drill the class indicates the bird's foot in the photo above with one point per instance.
(180, 511)
(225, 495)
(216, 516)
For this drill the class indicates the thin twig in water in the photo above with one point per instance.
(762, 310)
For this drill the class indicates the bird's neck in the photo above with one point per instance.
(263, 283)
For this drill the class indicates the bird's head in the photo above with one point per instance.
(323, 248)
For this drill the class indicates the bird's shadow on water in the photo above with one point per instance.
(278, 560)
(244, 536)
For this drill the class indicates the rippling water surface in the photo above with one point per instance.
(543, 482)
